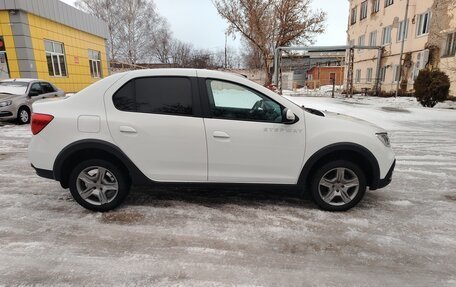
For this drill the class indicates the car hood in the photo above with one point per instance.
(345, 119)
(4, 97)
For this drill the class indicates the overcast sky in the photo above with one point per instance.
(197, 22)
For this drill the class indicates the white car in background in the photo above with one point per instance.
(187, 126)
(18, 95)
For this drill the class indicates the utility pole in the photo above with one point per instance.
(404, 33)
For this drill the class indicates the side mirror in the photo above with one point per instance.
(288, 116)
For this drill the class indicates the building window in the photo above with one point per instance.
(369, 75)
(354, 15)
(382, 75)
(403, 28)
(450, 47)
(389, 3)
(375, 6)
(396, 72)
(423, 24)
(361, 41)
(95, 64)
(386, 37)
(373, 39)
(363, 14)
(358, 76)
(55, 56)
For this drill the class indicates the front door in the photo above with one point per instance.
(247, 140)
(153, 120)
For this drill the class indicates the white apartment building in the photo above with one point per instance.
(382, 23)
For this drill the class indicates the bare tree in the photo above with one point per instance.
(133, 26)
(227, 58)
(140, 21)
(250, 54)
(268, 24)
(181, 53)
(163, 44)
(106, 10)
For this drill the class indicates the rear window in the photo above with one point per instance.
(156, 95)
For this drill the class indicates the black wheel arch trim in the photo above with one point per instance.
(136, 175)
(343, 146)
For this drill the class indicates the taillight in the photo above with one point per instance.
(39, 122)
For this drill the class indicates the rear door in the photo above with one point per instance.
(156, 122)
(48, 90)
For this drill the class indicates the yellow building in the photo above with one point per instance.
(50, 40)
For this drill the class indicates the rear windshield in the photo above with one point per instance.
(13, 88)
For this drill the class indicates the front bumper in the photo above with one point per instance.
(389, 176)
(7, 112)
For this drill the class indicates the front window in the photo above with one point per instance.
(363, 10)
(95, 64)
(235, 102)
(423, 24)
(55, 56)
(450, 47)
(13, 87)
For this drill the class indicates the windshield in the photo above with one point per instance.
(14, 88)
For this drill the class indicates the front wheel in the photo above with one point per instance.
(98, 185)
(23, 116)
(338, 185)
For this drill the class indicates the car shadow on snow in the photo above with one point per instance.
(167, 196)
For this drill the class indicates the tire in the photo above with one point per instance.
(23, 116)
(338, 185)
(94, 193)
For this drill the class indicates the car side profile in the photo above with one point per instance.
(188, 126)
(18, 95)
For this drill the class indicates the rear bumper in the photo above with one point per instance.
(389, 176)
(49, 174)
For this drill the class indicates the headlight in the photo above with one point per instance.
(6, 103)
(383, 137)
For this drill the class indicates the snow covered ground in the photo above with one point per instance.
(403, 235)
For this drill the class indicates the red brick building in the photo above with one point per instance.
(322, 76)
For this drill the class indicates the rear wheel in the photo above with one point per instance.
(23, 116)
(98, 185)
(338, 185)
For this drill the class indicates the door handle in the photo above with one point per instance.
(220, 135)
(127, 130)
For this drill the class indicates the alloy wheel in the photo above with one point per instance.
(339, 186)
(97, 185)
